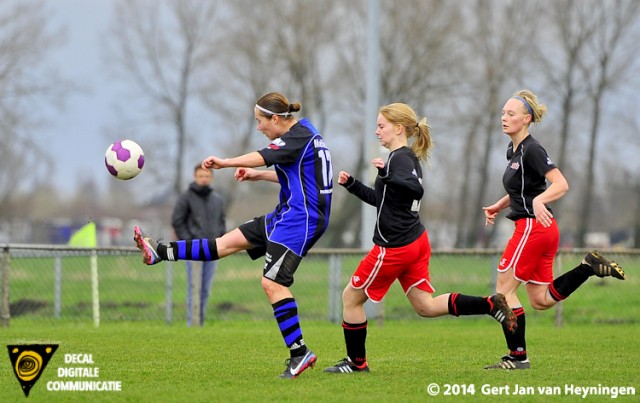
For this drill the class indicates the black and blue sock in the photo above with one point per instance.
(194, 249)
(286, 314)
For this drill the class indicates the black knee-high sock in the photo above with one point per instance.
(195, 249)
(567, 283)
(286, 314)
(355, 337)
(460, 304)
(516, 341)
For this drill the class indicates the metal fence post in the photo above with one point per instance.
(57, 287)
(196, 286)
(335, 288)
(558, 317)
(168, 310)
(494, 273)
(375, 310)
(6, 268)
(94, 287)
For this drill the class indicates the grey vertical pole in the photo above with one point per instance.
(57, 287)
(6, 269)
(335, 288)
(370, 141)
(371, 115)
(94, 288)
(196, 278)
(168, 306)
(558, 314)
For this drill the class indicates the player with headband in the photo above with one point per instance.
(302, 165)
(528, 257)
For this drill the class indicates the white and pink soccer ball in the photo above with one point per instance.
(124, 159)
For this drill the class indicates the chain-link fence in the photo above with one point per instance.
(61, 284)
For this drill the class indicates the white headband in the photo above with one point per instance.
(265, 110)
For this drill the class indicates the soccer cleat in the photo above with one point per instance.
(296, 365)
(145, 244)
(510, 363)
(346, 366)
(603, 267)
(502, 313)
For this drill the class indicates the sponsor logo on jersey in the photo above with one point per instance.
(319, 143)
(277, 144)
(549, 162)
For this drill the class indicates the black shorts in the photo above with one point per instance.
(280, 262)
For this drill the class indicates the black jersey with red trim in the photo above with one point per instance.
(302, 162)
(397, 194)
(524, 177)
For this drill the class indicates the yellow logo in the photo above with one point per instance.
(28, 362)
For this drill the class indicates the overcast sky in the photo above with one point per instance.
(80, 124)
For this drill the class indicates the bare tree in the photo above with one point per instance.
(613, 47)
(283, 49)
(573, 25)
(163, 49)
(495, 56)
(26, 40)
(418, 55)
(418, 62)
(636, 223)
(633, 130)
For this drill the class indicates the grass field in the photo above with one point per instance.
(240, 361)
(239, 353)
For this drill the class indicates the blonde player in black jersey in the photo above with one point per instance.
(401, 246)
(528, 257)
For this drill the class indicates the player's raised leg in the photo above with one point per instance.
(192, 249)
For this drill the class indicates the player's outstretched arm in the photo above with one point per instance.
(250, 174)
(250, 160)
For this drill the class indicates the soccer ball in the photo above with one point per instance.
(124, 159)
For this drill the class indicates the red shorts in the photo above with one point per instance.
(530, 251)
(382, 266)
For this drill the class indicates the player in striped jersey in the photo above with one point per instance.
(528, 257)
(302, 167)
(401, 246)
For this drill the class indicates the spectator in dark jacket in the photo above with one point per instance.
(199, 213)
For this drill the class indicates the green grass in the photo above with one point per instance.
(238, 354)
(240, 360)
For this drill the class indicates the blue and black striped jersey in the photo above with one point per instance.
(303, 164)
